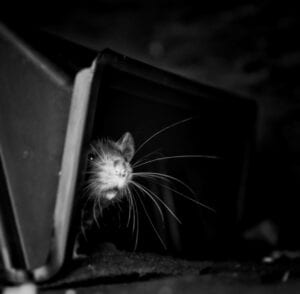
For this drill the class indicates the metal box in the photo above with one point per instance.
(56, 96)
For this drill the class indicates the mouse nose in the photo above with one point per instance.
(121, 170)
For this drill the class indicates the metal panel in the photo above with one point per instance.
(42, 146)
(34, 105)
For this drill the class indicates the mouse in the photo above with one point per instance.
(113, 175)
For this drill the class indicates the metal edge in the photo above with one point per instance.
(13, 261)
(36, 58)
(69, 173)
(175, 81)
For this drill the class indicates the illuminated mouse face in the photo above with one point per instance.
(110, 167)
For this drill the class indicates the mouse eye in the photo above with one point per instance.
(91, 157)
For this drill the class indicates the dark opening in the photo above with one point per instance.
(137, 104)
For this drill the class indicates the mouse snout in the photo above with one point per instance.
(121, 169)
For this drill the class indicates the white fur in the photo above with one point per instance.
(113, 173)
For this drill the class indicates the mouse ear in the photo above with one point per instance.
(126, 144)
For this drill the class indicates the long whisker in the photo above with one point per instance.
(99, 205)
(90, 185)
(161, 131)
(163, 177)
(153, 226)
(181, 194)
(151, 197)
(134, 213)
(163, 203)
(137, 222)
(143, 188)
(129, 205)
(94, 213)
(132, 210)
(134, 164)
(176, 157)
(189, 198)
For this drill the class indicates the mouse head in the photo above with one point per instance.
(109, 166)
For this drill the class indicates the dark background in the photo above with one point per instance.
(247, 47)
